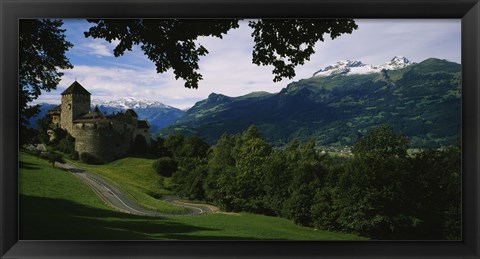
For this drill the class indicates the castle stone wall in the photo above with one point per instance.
(101, 140)
(106, 138)
(73, 105)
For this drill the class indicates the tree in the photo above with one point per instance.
(170, 43)
(139, 146)
(371, 193)
(307, 173)
(249, 182)
(43, 125)
(286, 43)
(193, 147)
(165, 166)
(435, 190)
(381, 142)
(173, 144)
(219, 183)
(42, 48)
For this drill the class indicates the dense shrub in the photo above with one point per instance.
(139, 146)
(74, 155)
(89, 158)
(165, 166)
(53, 157)
(66, 145)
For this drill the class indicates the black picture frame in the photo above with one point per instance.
(467, 10)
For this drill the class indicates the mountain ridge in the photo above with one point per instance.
(349, 67)
(421, 100)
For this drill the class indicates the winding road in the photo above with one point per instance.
(115, 198)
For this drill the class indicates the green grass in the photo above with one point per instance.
(55, 205)
(136, 177)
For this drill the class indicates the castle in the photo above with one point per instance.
(107, 137)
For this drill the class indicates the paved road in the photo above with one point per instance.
(115, 198)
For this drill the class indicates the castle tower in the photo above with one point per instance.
(75, 102)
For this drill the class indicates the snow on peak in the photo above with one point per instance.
(128, 103)
(348, 67)
(397, 62)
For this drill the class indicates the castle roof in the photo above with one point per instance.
(76, 88)
(131, 113)
(141, 124)
(96, 114)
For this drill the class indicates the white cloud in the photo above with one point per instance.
(93, 47)
(228, 68)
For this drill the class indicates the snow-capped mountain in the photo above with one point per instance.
(348, 67)
(129, 103)
(158, 114)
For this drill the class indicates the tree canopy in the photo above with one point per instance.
(170, 43)
(42, 48)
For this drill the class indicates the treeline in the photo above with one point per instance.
(381, 192)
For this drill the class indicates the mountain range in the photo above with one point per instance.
(339, 103)
(348, 67)
(335, 106)
(158, 114)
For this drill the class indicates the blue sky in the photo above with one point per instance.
(228, 69)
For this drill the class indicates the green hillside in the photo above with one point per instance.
(55, 205)
(422, 101)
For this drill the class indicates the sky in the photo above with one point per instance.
(228, 68)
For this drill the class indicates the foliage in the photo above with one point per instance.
(139, 146)
(66, 144)
(278, 40)
(381, 192)
(189, 179)
(170, 43)
(191, 155)
(43, 125)
(53, 157)
(42, 48)
(165, 166)
(89, 158)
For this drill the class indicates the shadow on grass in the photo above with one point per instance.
(59, 219)
(27, 165)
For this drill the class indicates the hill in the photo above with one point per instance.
(55, 205)
(422, 101)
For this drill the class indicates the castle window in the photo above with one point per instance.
(69, 106)
(83, 125)
(95, 125)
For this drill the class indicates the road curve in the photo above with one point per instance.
(115, 198)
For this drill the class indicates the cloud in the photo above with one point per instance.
(228, 68)
(96, 48)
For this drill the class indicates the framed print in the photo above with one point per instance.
(237, 129)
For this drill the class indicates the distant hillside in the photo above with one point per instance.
(337, 106)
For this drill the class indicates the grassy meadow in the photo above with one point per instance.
(55, 205)
(136, 178)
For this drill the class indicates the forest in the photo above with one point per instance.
(382, 191)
